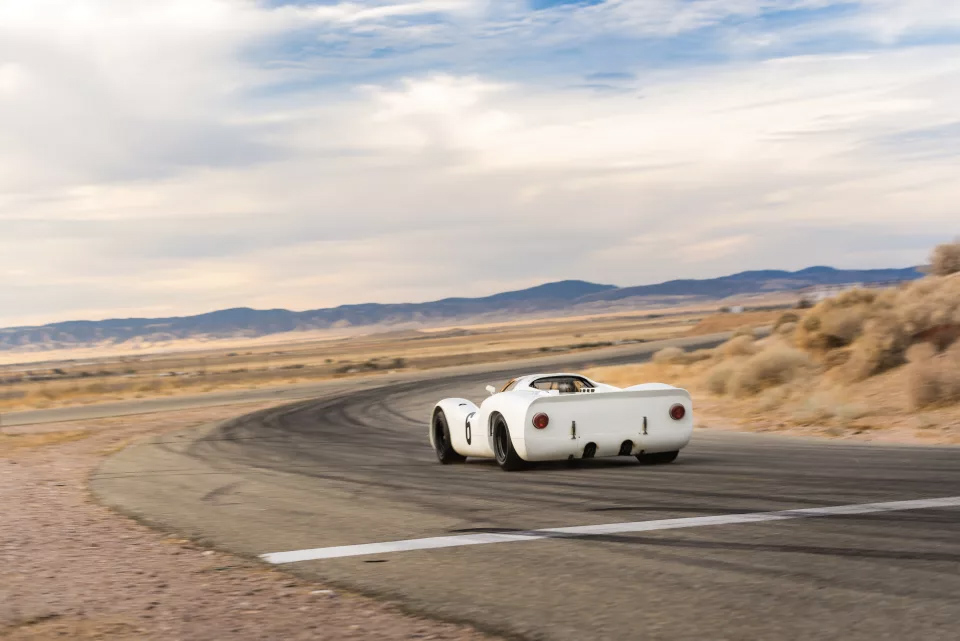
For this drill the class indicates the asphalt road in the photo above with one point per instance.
(354, 466)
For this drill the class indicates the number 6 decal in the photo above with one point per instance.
(469, 429)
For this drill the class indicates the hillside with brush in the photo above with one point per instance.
(878, 364)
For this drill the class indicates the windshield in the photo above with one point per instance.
(563, 384)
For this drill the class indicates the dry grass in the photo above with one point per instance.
(864, 362)
(836, 322)
(671, 356)
(776, 365)
(876, 328)
(825, 408)
(920, 352)
(945, 259)
(934, 379)
(627, 375)
(787, 329)
(57, 384)
(74, 628)
(877, 409)
(740, 345)
(729, 322)
(836, 358)
(718, 379)
(814, 410)
(930, 309)
(11, 442)
(882, 346)
(787, 318)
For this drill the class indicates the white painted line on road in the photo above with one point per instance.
(341, 551)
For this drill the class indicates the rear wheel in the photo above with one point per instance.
(507, 457)
(658, 458)
(441, 441)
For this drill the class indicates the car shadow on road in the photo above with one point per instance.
(577, 464)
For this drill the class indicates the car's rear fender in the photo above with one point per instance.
(457, 411)
(512, 407)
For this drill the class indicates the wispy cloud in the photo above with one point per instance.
(177, 156)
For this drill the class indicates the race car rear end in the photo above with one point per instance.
(639, 421)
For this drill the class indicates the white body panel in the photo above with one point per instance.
(604, 416)
(469, 442)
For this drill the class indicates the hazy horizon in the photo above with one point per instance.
(415, 302)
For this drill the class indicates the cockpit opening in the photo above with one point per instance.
(562, 384)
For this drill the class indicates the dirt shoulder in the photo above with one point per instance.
(70, 568)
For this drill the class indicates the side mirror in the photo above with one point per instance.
(491, 389)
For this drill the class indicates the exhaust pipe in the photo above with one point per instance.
(625, 448)
(589, 450)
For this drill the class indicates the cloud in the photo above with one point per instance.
(711, 250)
(353, 12)
(889, 21)
(163, 158)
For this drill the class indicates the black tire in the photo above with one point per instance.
(646, 459)
(667, 457)
(507, 457)
(659, 458)
(441, 440)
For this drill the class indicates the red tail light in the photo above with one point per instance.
(540, 421)
(677, 412)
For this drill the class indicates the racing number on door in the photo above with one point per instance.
(469, 429)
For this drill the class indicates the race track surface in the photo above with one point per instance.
(354, 467)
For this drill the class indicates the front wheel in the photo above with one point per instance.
(507, 456)
(441, 441)
(658, 458)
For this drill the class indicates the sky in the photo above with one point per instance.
(176, 157)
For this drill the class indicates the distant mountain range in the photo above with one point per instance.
(551, 298)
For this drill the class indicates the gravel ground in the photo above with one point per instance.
(72, 569)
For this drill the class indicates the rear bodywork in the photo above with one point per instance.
(601, 421)
(608, 421)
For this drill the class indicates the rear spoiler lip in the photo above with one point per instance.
(653, 393)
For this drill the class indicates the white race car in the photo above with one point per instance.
(549, 417)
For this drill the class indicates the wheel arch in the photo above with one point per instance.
(456, 411)
(513, 407)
